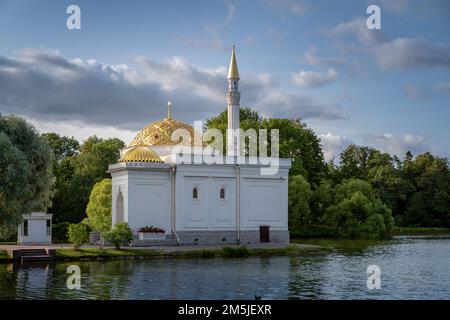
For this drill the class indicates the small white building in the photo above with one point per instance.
(36, 228)
(231, 201)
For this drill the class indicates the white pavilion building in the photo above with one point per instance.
(196, 202)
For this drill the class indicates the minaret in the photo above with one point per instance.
(169, 109)
(233, 98)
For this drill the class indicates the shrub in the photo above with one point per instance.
(229, 252)
(59, 232)
(151, 229)
(120, 235)
(78, 234)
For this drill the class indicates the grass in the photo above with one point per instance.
(81, 254)
(4, 256)
(313, 232)
(420, 231)
(225, 252)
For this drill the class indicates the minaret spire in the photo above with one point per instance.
(169, 109)
(233, 101)
(233, 72)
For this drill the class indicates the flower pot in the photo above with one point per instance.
(152, 235)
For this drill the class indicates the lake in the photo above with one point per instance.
(411, 268)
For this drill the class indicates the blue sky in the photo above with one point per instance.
(387, 88)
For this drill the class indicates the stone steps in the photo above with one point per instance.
(36, 258)
(32, 256)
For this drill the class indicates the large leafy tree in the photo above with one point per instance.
(429, 204)
(25, 172)
(65, 198)
(77, 171)
(301, 144)
(358, 212)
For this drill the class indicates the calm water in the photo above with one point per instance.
(411, 268)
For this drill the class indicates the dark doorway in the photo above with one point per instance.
(264, 234)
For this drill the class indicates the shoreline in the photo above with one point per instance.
(65, 252)
(177, 252)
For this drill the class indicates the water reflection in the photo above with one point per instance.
(412, 268)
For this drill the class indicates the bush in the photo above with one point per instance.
(239, 252)
(120, 235)
(78, 234)
(59, 232)
(314, 231)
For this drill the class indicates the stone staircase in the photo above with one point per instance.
(26, 256)
(170, 240)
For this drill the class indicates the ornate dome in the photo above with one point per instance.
(140, 153)
(159, 133)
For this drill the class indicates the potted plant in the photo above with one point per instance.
(151, 233)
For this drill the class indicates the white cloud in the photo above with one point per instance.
(333, 145)
(213, 39)
(398, 144)
(401, 53)
(231, 11)
(311, 57)
(45, 86)
(443, 87)
(358, 28)
(395, 6)
(81, 131)
(277, 103)
(313, 78)
(295, 7)
(408, 53)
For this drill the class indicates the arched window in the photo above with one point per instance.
(222, 193)
(119, 207)
(195, 193)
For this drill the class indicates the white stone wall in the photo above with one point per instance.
(147, 199)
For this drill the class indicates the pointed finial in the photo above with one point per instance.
(233, 72)
(169, 109)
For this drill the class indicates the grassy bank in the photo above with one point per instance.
(420, 231)
(226, 252)
(4, 257)
(323, 232)
(313, 232)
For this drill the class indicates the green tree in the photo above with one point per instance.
(301, 144)
(78, 234)
(66, 198)
(429, 204)
(358, 212)
(299, 196)
(99, 207)
(77, 171)
(63, 147)
(120, 235)
(25, 173)
(321, 199)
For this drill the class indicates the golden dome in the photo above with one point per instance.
(159, 133)
(140, 153)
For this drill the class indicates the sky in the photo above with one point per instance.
(314, 60)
